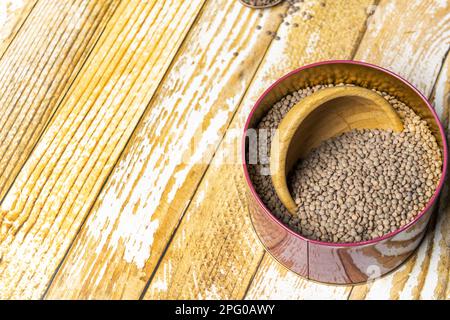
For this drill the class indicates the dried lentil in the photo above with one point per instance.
(260, 3)
(357, 186)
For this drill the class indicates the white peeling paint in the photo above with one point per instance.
(209, 139)
(441, 97)
(378, 288)
(413, 279)
(200, 197)
(159, 285)
(286, 285)
(160, 166)
(312, 44)
(380, 15)
(439, 5)
(212, 293)
(7, 9)
(431, 280)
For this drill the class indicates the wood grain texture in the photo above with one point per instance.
(59, 183)
(144, 198)
(214, 253)
(410, 38)
(424, 30)
(426, 274)
(441, 94)
(440, 262)
(38, 69)
(13, 13)
(153, 182)
(275, 282)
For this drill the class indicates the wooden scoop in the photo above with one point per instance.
(321, 116)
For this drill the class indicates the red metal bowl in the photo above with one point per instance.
(341, 263)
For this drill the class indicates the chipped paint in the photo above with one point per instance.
(275, 282)
(8, 9)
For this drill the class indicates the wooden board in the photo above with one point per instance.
(167, 280)
(59, 183)
(120, 131)
(272, 281)
(426, 274)
(214, 253)
(13, 13)
(142, 202)
(417, 48)
(37, 70)
(424, 30)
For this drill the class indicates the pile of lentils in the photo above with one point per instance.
(359, 185)
(261, 3)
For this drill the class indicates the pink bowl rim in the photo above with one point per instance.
(430, 203)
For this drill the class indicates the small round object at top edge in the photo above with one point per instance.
(268, 5)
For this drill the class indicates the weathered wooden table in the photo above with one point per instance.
(116, 121)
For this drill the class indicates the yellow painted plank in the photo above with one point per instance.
(154, 180)
(381, 20)
(440, 263)
(275, 282)
(441, 94)
(38, 69)
(12, 15)
(425, 275)
(214, 253)
(415, 50)
(411, 38)
(59, 183)
(433, 279)
(437, 279)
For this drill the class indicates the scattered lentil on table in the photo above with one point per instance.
(357, 186)
(293, 6)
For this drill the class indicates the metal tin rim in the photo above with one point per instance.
(349, 244)
(260, 7)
